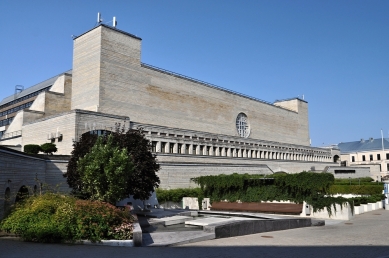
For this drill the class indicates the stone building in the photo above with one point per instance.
(371, 153)
(195, 128)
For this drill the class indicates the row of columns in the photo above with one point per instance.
(194, 149)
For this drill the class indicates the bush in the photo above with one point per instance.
(48, 148)
(58, 218)
(32, 148)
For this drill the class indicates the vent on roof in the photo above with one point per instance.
(371, 139)
(18, 89)
(362, 140)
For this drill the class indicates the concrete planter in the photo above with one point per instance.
(379, 204)
(342, 213)
(358, 210)
(366, 207)
(374, 206)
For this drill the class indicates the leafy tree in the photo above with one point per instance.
(80, 149)
(143, 178)
(48, 148)
(105, 171)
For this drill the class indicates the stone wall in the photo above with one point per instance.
(35, 173)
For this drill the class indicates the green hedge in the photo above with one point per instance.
(299, 187)
(356, 189)
(176, 195)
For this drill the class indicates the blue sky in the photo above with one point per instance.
(335, 53)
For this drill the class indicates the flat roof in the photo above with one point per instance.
(34, 88)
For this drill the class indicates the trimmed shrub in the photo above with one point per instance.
(176, 195)
(367, 199)
(58, 218)
(48, 148)
(357, 189)
(32, 148)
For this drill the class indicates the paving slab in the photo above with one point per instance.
(213, 220)
(170, 220)
(175, 238)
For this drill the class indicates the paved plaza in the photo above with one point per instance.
(365, 235)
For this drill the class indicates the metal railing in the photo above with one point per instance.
(11, 135)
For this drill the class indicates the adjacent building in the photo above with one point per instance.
(372, 153)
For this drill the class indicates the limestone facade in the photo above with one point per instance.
(195, 128)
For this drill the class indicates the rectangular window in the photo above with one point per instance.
(214, 151)
(378, 156)
(220, 151)
(352, 159)
(201, 150)
(163, 146)
(363, 158)
(345, 171)
(186, 148)
(371, 157)
(387, 155)
(171, 147)
(194, 149)
(207, 150)
(179, 147)
(154, 146)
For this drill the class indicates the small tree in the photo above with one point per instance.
(105, 172)
(48, 148)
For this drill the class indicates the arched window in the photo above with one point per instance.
(242, 125)
(22, 193)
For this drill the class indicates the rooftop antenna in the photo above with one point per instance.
(114, 22)
(99, 19)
